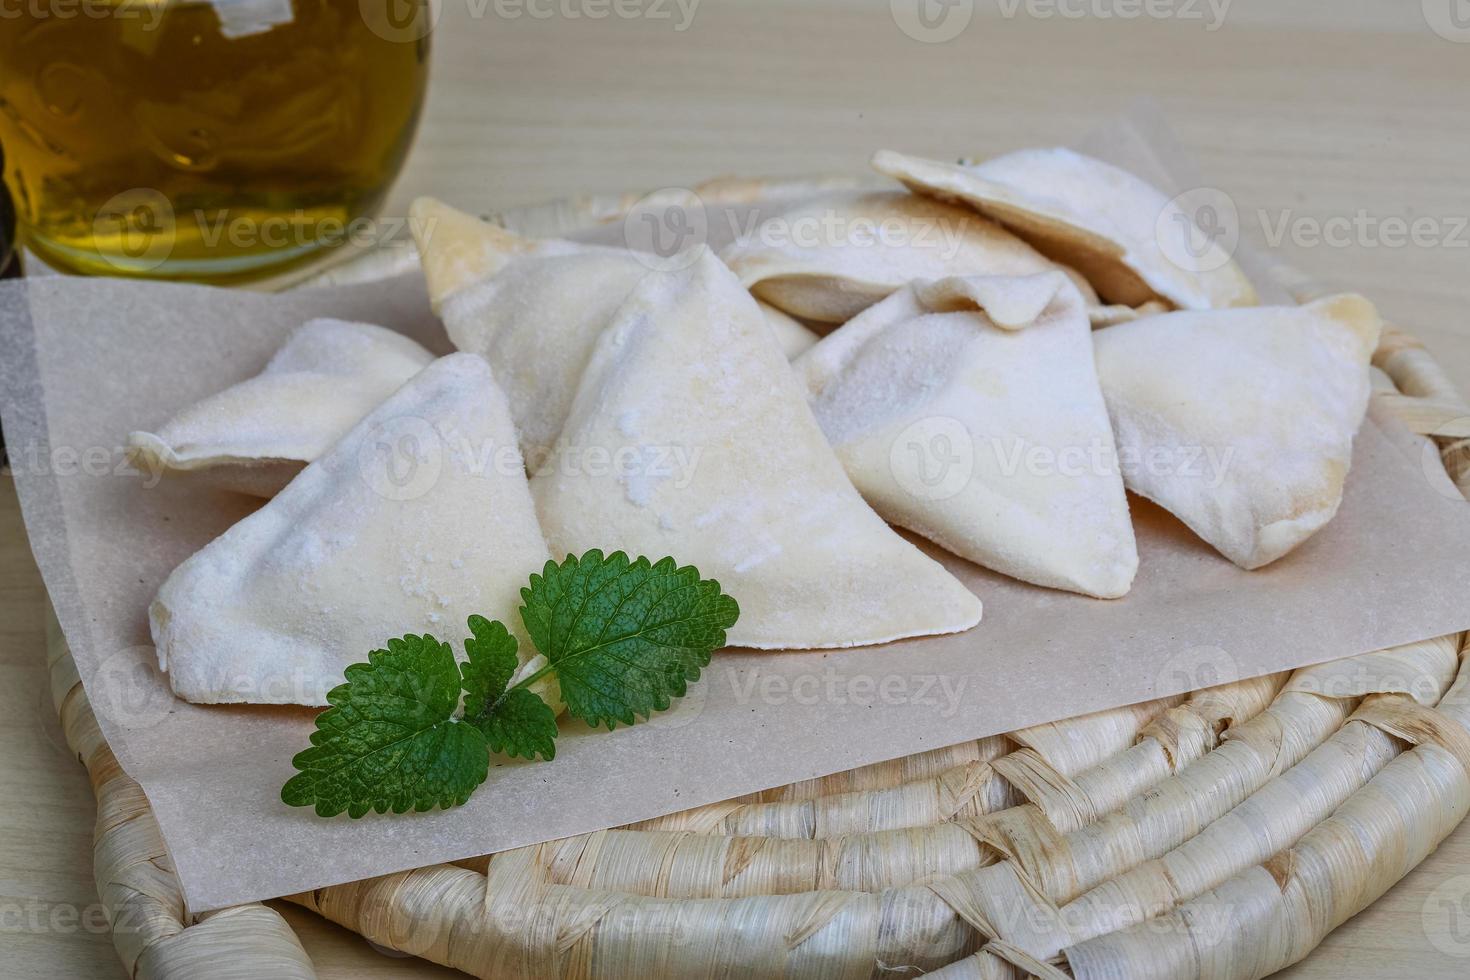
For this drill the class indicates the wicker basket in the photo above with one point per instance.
(1221, 835)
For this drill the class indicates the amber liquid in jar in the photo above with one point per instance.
(205, 140)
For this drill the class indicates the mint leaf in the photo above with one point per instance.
(624, 637)
(389, 741)
(515, 722)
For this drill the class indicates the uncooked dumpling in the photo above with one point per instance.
(1241, 422)
(1090, 215)
(323, 380)
(417, 519)
(968, 410)
(831, 257)
(690, 437)
(534, 309)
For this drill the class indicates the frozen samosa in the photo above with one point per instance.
(1241, 422)
(261, 432)
(831, 257)
(968, 410)
(417, 519)
(532, 308)
(690, 436)
(1103, 221)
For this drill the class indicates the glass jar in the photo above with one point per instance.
(205, 139)
(7, 227)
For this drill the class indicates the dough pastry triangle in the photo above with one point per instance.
(1097, 218)
(417, 519)
(690, 437)
(1241, 422)
(261, 432)
(968, 410)
(532, 308)
(831, 257)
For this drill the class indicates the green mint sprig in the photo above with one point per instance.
(623, 639)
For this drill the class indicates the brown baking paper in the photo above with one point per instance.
(85, 361)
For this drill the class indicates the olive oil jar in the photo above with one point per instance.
(212, 140)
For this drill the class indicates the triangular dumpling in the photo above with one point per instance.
(1241, 422)
(690, 437)
(534, 309)
(417, 519)
(323, 380)
(1090, 215)
(968, 410)
(831, 257)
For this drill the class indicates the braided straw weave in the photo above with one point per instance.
(1218, 835)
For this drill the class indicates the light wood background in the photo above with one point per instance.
(1302, 110)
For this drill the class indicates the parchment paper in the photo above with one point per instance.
(85, 361)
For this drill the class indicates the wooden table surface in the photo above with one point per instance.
(1337, 122)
